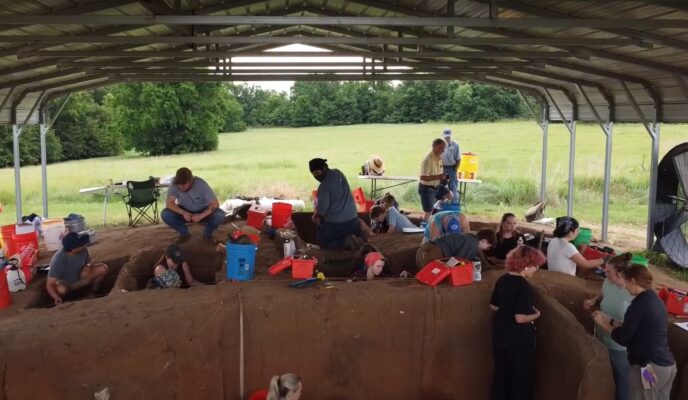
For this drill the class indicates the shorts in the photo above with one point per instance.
(427, 196)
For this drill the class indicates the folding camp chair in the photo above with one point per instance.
(141, 200)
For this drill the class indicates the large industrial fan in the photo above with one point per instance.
(671, 213)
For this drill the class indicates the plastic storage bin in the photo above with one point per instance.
(241, 261)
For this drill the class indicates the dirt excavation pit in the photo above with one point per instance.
(358, 340)
(205, 263)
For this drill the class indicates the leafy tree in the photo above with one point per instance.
(174, 118)
(234, 115)
(83, 128)
(29, 146)
(250, 98)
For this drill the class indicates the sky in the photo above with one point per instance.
(285, 86)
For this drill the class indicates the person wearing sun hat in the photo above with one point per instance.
(335, 213)
(451, 158)
(374, 166)
(71, 268)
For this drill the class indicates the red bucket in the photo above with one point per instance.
(25, 245)
(281, 214)
(5, 298)
(7, 232)
(255, 217)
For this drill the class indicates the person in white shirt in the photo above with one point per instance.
(451, 158)
(563, 256)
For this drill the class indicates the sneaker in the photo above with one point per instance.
(182, 238)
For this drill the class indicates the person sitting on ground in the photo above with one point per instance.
(430, 176)
(513, 329)
(644, 333)
(190, 199)
(563, 256)
(336, 215)
(285, 387)
(446, 223)
(463, 245)
(374, 166)
(507, 239)
(614, 300)
(172, 269)
(71, 268)
(395, 220)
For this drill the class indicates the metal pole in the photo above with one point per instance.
(17, 178)
(543, 173)
(654, 165)
(44, 169)
(572, 158)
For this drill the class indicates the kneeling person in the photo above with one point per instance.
(172, 268)
(460, 245)
(71, 268)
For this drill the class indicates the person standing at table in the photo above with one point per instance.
(451, 158)
(430, 175)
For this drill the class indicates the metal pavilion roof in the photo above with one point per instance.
(556, 50)
(604, 61)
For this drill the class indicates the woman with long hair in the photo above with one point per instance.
(513, 331)
(644, 333)
(507, 239)
(562, 256)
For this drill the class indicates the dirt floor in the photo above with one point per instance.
(354, 340)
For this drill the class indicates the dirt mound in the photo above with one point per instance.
(385, 339)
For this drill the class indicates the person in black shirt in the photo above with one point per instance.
(507, 239)
(513, 331)
(644, 333)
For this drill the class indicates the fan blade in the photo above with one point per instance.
(663, 210)
(675, 221)
(675, 246)
(681, 166)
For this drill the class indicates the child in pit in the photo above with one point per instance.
(172, 269)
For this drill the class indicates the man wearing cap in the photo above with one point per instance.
(190, 199)
(451, 158)
(71, 268)
(335, 213)
(430, 175)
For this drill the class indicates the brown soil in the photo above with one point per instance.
(357, 340)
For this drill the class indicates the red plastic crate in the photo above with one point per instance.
(591, 253)
(462, 275)
(256, 216)
(359, 199)
(433, 273)
(302, 268)
(676, 301)
(280, 266)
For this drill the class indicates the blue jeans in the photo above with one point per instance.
(427, 196)
(453, 183)
(620, 368)
(331, 235)
(177, 222)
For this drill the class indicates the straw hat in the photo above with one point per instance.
(376, 164)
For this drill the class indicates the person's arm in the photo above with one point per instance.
(525, 311)
(526, 319)
(434, 230)
(631, 323)
(588, 304)
(51, 287)
(494, 307)
(425, 169)
(171, 204)
(586, 264)
(212, 206)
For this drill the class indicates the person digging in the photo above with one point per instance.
(71, 268)
(172, 270)
(461, 245)
(190, 199)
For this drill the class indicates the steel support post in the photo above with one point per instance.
(571, 126)
(16, 132)
(653, 130)
(607, 129)
(544, 126)
(44, 168)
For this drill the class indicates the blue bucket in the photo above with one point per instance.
(451, 207)
(241, 261)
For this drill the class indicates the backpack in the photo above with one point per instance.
(169, 279)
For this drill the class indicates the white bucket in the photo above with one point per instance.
(53, 231)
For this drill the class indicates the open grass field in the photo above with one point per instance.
(274, 162)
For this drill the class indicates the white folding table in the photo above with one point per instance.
(109, 190)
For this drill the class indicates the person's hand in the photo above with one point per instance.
(58, 300)
(315, 218)
(196, 218)
(187, 216)
(589, 304)
(601, 318)
(537, 313)
(404, 274)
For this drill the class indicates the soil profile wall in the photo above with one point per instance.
(360, 340)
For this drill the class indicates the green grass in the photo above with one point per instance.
(274, 162)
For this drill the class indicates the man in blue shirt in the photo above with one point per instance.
(451, 158)
(190, 199)
(335, 212)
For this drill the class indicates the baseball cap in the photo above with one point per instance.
(446, 132)
(73, 240)
(174, 252)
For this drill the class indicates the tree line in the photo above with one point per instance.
(176, 118)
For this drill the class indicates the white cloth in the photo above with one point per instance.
(559, 253)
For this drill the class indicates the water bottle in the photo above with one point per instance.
(477, 271)
(289, 248)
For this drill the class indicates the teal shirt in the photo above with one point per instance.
(615, 301)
